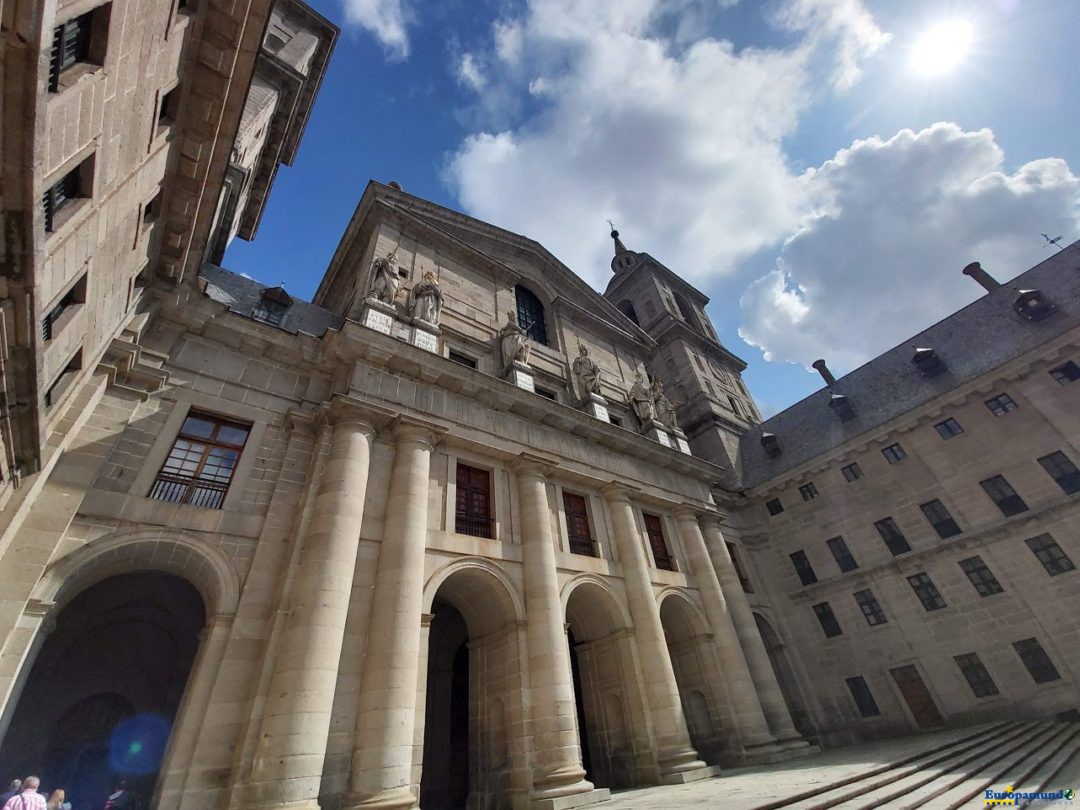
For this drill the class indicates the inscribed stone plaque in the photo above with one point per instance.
(523, 380)
(379, 321)
(423, 339)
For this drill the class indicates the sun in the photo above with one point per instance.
(942, 47)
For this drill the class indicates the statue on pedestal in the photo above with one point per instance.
(514, 342)
(586, 372)
(663, 407)
(641, 400)
(385, 282)
(425, 300)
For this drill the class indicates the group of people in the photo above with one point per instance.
(23, 794)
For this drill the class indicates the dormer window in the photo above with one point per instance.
(1033, 305)
(273, 304)
(530, 315)
(771, 445)
(927, 361)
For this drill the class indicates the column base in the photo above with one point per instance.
(400, 798)
(776, 752)
(594, 796)
(696, 775)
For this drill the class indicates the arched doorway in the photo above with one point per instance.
(473, 694)
(103, 691)
(692, 657)
(614, 740)
(785, 676)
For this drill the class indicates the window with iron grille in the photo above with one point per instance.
(1059, 467)
(949, 428)
(852, 472)
(744, 579)
(76, 295)
(926, 591)
(472, 510)
(655, 531)
(1036, 660)
(841, 554)
(71, 45)
(863, 697)
(577, 525)
(939, 517)
(1002, 494)
(893, 453)
(63, 380)
(980, 576)
(202, 461)
(976, 674)
(827, 619)
(1001, 404)
(530, 315)
(1050, 554)
(808, 491)
(462, 359)
(803, 568)
(774, 506)
(893, 537)
(870, 607)
(59, 194)
(1066, 373)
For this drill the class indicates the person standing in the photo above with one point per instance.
(13, 790)
(119, 799)
(56, 800)
(29, 798)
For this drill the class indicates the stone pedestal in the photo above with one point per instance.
(378, 316)
(680, 441)
(425, 336)
(657, 432)
(596, 406)
(521, 376)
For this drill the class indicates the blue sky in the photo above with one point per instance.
(792, 158)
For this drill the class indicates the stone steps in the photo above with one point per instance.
(1032, 756)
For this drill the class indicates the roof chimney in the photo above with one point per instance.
(823, 370)
(986, 281)
(394, 184)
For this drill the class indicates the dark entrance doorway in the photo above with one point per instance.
(579, 703)
(444, 783)
(103, 692)
(918, 697)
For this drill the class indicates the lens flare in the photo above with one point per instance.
(941, 48)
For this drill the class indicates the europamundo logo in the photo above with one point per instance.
(1010, 796)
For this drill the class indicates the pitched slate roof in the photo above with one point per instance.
(241, 295)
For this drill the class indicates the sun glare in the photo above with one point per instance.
(942, 47)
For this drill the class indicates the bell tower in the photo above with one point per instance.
(700, 376)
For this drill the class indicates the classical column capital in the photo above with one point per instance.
(527, 464)
(687, 513)
(616, 492)
(419, 431)
(712, 519)
(343, 410)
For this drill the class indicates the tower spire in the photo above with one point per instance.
(619, 246)
(623, 258)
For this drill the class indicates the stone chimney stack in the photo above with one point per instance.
(823, 370)
(986, 281)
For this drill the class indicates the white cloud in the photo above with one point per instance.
(386, 19)
(844, 27)
(878, 257)
(469, 73)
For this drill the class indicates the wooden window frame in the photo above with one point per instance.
(939, 517)
(803, 567)
(870, 607)
(1036, 660)
(863, 696)
(827, 619)
(1052, 556)
(892, 536)
(976, 674)
(470, 521)
(579, 535)
(1005, 498)
(654, 533)
(927, 592)
(845, 560)
(195, 489)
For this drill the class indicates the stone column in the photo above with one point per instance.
(558, 776)
(741, 617)
(676, 757)
(386, 718)
(288, 763)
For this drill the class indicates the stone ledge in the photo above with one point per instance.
(594, 796)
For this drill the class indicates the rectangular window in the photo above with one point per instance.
(71, 45)
(1059, 467)
(870, 607)
(808, 491)
(893, 537)
(939, 517)
(1049, 553)
(616, 421)
(63, 381)
(1001, 404)
(774, 506)
(76, 295)
(1004, 496)
(981, 576)
(977, 676)
(949, 428)
(170, 105)
(655, 531)
(65, 190)
(829, 625)
(736, 562)
(803, 568)
(863, 697)
(462, 359)
(1066, 373)
(841, 554)
(852, 472)
(893, 453)
(577, 525)
(926, 591)
(546, 393)
(202, 461)
(472, 510)
(1036, 660)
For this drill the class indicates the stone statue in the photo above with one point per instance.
(514, 342)
(641, 400)
(385, 281)
(586, 372)
(664, 409)
(425, 300)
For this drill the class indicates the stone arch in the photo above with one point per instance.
(786, 675)
(614, 608)
(144, 550)
(482, 578)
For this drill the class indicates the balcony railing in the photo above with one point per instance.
(173, 488)
(474, 526)
(583, 545)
